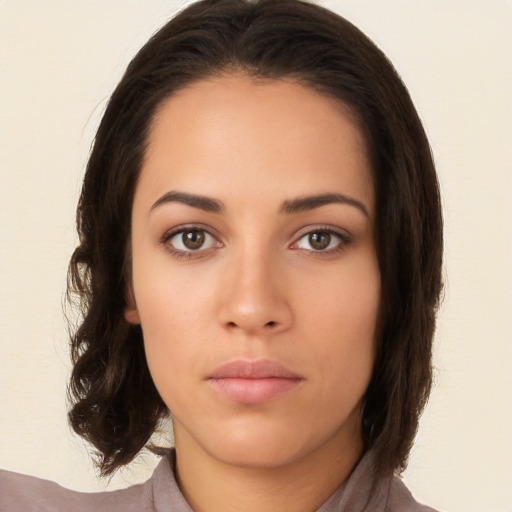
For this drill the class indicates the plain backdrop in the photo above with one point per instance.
(60, 60)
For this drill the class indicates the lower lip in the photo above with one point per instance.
(253, 391)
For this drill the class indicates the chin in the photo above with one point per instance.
(243, 443)
(268, 446)
(258, 454)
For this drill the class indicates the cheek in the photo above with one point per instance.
(171, 318)
(176, 309)
(172, 344)
(345, 303)
(343, 315)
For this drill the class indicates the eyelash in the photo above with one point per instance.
(344, 241)
(183, 254)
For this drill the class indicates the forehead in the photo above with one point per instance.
(257, 133)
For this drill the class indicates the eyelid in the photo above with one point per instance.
(176, 230)
(345, 237)
(169, 233)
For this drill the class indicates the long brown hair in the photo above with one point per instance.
(115, 405)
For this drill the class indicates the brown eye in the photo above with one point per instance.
(193, 240)
(190, 240)
(319, 241)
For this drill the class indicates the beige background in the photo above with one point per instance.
(59, 60)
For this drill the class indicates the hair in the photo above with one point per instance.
(114, 403)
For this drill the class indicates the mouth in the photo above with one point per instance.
(253, 382)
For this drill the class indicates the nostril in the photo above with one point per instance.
(271, 323)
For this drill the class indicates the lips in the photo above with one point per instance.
(253, 382)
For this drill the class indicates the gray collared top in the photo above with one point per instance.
(362, 492)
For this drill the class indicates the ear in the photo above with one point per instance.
(131, 315)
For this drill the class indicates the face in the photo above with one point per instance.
(255, 276)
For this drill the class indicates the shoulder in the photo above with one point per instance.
(25, 493)
(400, 498)
(364, 491)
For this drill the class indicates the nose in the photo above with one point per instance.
(255, 296)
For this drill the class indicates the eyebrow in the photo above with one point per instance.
(311, 202)
(205, 203)
(211, 205)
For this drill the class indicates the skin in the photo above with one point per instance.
(257, 288)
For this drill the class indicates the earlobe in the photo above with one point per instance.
(131, 315)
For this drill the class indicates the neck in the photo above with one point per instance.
(300, 485)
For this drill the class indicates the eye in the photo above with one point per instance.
(321, 240)
(189, 240)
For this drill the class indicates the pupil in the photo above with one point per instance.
(319, 241)
(193, 239)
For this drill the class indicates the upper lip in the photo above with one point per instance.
(253, 369)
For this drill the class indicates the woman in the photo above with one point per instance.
(260, 252)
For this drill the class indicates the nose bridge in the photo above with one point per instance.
(255, 296)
